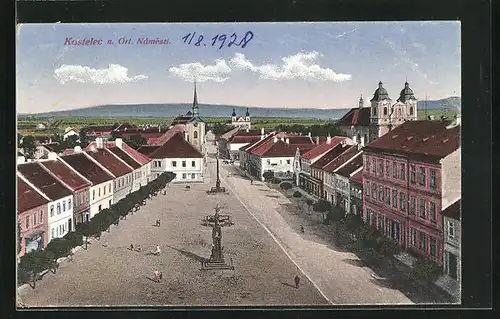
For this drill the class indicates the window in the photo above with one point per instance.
(374, 111)
(183, 175)
(422, 176)
(411, 110)
(395, 231)
(41, 217)
(381, 193)
(53, 233)
(69, 203)
(27, 222)
(183, 163)
(381, 168)
(422, 244)
(367, 188)
(64, 206)
(387, 227)
(374, 165)
(174, 163)
(403, 173)
(105, 189)
(451, 230)
(432, 212)
(367, 163)
(99, 191)
(58, 208)
(380, 224)
(109, 187)
(373, 219)
(193, 163)
(385, 110)
(394, 169)
(195, 134)
(386, 168)
(93, 194)
(394, 198)
(100, 207)
(159, 163)
(367, 217)
(374, 191)
(193, 175)
(402, 201)
(413, 204)
(110, 201)
(433, 179)
(413, 237)
(51, 210)
(288, 161)
(422, 208)
(387, 196)
(412, 174)
(432, 246)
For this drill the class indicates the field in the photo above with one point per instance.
(422, 115)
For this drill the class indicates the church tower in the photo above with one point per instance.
(233, 116)
(196, 109)
(406, 106)
(247, 116)
(380, 112)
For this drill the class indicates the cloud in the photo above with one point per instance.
(115, 73)
(217, 72)
(299, 66)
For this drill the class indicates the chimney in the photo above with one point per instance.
(119, 143)
(262, 131)
(247, 130)
(362, 141)
(317, 140)
(125, 129)
(159, 129)
(99, 142)
(52, 156)
(287, 140)
(328, 139)
(275, 139)
(309, 134)
(77, 149)
(355, 139)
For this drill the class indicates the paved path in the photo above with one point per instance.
(333, 272)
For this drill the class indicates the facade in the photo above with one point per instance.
(409, 174)
(120, 170)
(336, 187)
(223, 148)
(242, 138)
(60, 207)
(79, 185)
(101, 191)
(452, 242)
(341, 177)
(386, 116)
(178, 156)
(32, 216)
(241, 121)
(356, 185)
(355, 124)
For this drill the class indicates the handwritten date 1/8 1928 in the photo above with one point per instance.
(219, 40)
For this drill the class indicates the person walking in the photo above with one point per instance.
(297, 281)
(158, 251)
(131, 247)
(139, 248)
(301, 229)
(159, 223)
(155, 275)
(161, 275)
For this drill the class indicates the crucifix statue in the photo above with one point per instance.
(217, 182)
(216, 260)
(216, 238)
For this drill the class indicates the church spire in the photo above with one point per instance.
(361, 102)
(248, 113)
(196, 110)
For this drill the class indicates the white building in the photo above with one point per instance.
(452, 247)
(60, 207)
(241, 121)
(71, 131)
(101, 191)
(178, 156)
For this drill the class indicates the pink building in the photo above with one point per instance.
(409, 175)
(32, 216)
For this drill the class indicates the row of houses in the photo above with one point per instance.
(56, 193)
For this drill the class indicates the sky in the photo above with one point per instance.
(295, 65)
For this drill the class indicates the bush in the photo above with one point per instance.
(322, 206)
(352, 222)
(286, 186)
(60, 247)
(275, 180)
(297, 194)
(368, 236)
(425, 270)
(268, 175)
(75, 238)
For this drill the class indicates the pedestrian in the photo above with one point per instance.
(158, 251)
(301, 229)
(251, 182)
(155, 275)
(139, 248)
(158, 223)
(161, 275)
(297, 281)
(131, 247)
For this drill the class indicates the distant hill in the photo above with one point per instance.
(213, 110)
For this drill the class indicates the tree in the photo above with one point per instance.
(297, 194)
(353, 222)
(136, 141)
(219, 128)
(29, 147)
(33, 263)
(388, 248)
(286, 186)
(309, 203)
(59, 247)
(425, 270)
(335, 214)
(322, 206)
(71, 141)
(84, 139)
(268, 175)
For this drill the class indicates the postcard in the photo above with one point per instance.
(238, 164)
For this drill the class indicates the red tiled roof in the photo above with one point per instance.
(352, 166)
(244, 139)
(124, 157)
(244, 148)
(181, 120)
(358, 177)
(323, 148)
(355, 116)
(261, 147)
(65, 174)
(137, 156)
(86, 167)
(420, 137)
(147, 150)
(453, 211)
(168, 135)
(283, 149)
(42, 180)
(106, 158)
(176, 147)
(28, 197)
(329, 156)
(341, 159)
(243, 132)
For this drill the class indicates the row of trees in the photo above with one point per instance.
(34, 262)
(315, 130)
